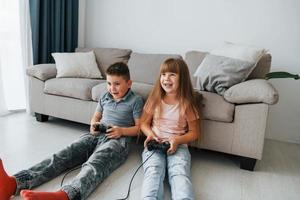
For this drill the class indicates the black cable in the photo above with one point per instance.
(133, 177)
(71, 170)
(62, 181)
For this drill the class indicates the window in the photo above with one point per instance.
(12, 70)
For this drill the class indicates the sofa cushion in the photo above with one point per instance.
(216, 108)
(78, 88)
(98, 90)
(262, 68)
(144, 68)
(243, 52)
(77, 65)
(193, 59)
(107, 56)
(252, 91)
(218, 73)
(141, 89)
(42, 71)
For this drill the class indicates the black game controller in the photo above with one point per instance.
(154, 145)
(102, 128)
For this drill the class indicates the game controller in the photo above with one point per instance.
(154, 145)
(102, 128)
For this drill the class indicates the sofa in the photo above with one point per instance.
(233, 123)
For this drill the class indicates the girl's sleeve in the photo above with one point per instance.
(192, 115)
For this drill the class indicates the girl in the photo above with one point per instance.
(171, 114)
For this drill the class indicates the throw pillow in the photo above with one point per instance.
(252, 91)
(76, 65)
(241, 52)
(226, 66)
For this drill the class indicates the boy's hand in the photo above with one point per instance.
(93, 127)
(174, 142)
(114, 132)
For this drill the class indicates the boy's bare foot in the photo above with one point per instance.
(34, 195)
(8, 184)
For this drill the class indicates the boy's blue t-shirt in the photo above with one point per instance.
(120, 113)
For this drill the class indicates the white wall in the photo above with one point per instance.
(175, 26)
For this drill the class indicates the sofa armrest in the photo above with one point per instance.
(42, 71)
(252, 91)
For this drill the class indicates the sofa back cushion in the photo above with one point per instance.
(262, 67)
(194, 59)
(144, 68)
(107, 56)
(141, 89)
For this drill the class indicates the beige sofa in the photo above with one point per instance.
(235, 124)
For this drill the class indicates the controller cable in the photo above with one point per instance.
(75, 168)
(78, 167)
(134, 176)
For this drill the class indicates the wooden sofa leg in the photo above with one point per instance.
(41, 118)
(247, 163)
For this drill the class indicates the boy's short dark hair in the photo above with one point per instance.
(119, 69)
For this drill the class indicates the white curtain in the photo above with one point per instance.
(3, 108)
(15, 54)
(26, 45)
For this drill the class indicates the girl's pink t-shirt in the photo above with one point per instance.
(170, 121)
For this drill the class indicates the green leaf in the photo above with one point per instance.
(281, 74)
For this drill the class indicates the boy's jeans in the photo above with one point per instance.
(178, 167)
(99, 155)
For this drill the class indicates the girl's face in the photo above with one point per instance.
(169, 81)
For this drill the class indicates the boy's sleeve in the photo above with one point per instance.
(138, 107)
(99, 107)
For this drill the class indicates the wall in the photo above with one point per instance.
(175, 26)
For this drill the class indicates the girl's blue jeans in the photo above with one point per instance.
(98, 155)
(178, 170)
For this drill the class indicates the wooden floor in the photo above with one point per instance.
(215, 176)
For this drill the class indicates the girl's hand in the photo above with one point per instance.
(114, 132)
(149, 137)
(174, 142)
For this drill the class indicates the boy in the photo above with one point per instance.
(99, 153)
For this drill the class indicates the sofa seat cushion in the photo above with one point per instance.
(79, 88)
(216, 108)
(144, 68)
(141, 89)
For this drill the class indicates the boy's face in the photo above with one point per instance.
(117, 86)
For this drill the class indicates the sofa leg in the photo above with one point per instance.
(41, 118)
(247, 163)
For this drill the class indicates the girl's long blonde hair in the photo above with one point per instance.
(187, 97)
